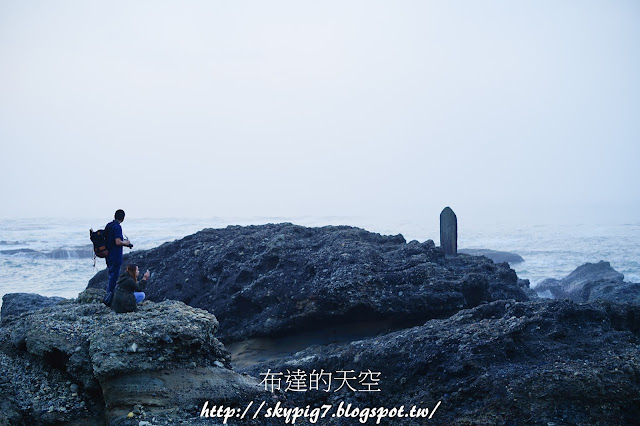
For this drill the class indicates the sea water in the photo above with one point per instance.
(53, 257)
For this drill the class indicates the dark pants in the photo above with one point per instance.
(114, 272)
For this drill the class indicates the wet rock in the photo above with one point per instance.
(280, 279)
(18, 303)
(505, 362)
(615, 291)
(592, 281)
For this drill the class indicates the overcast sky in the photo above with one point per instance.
(500, 109)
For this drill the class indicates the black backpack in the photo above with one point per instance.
(100, 240)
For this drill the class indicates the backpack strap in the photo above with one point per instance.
(107, 230)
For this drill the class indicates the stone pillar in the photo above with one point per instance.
(449, 232)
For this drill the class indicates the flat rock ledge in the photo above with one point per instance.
(82, 361)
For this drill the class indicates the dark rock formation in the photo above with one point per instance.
(592, 281)
(486, 353)
(496, 256)
(18, 303)
(611, 290)
(506, 362)
(91, 295)
(280, 279)
(164, 357)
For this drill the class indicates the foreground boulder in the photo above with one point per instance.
(161, 361)
(281, 279)
(506, 362)
(590, 282)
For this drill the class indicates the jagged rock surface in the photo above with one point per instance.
(590, 282)
(505, 362)
(500, 362)
(163, 357)
(279, 279)
(614, 291)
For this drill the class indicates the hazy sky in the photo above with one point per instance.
(499, 109)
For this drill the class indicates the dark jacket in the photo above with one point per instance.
(123, 298)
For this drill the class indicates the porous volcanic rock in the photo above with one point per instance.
(506, 362)
(280, 279)
(164, 358)
(615, 291)
(590, 282)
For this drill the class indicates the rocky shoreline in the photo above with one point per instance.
(460, 331)
(156, 363)
(274, 280)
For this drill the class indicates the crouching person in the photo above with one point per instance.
(129, 292)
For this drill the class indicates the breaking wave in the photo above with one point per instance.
(83, 252)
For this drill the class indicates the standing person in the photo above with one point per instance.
(115, 242)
